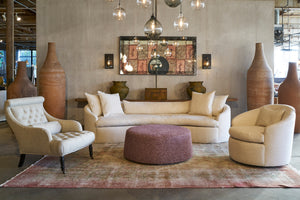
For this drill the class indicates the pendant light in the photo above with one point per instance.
(173, 3)
(198, 4)
(153, 27)
(119, 12)
(180, 22)
(143, 3)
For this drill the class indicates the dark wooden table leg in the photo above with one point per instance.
(62, 164)
(91, 151)
(22, 159)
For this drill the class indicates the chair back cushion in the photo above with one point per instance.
(29, 114)
(269, 115)
(27, 111)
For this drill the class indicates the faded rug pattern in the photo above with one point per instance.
(210, 167)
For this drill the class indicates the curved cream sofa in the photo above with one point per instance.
(204, 129)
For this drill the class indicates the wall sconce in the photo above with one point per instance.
(206, 61)
(109, 61)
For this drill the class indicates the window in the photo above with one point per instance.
(2, 63)
(29, 56)
(282, 58)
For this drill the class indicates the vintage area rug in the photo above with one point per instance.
(210, 167)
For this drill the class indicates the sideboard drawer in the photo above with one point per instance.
(157, 94)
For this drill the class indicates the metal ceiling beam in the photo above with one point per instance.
(31, 2)
(25, 6)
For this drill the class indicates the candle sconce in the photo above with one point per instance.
(109, 61)
(206, 61)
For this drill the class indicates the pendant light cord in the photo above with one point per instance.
(119, 3)
(155, 8)
(180, 9)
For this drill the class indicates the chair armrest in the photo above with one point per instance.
(31, 140)
(281, 130)
(246, 119)
(279, 137)
(90, 119)
(66, 125)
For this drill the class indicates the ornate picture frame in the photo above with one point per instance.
(166, 56)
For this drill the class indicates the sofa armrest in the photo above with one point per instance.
(246, 119)
(224, 119)
(90, 119)
(66, 125)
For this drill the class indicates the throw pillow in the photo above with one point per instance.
(94, 103)
(110, 104)
(218, 104)
(201, 104)
(268, 116)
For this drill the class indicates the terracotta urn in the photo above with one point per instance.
(289, 92)
(52, 84)
(196, 86)
(22, 86)
(260, 83)
(121, 88)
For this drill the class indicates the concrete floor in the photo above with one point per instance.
(8, 168)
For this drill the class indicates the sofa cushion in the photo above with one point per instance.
(156, 107)
(140, 119)
(218, 104)
(54, 127)
(110, 104)
(248, 133)
(268, 116)
(94, 103)
(201, 104)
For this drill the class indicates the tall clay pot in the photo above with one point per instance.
(52, 84)
(121, 88)
(22, 86)
(196, 86)
(289, 92)
(260, 83)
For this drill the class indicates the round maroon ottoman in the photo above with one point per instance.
(158, 144)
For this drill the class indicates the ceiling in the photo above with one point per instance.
(25, 30)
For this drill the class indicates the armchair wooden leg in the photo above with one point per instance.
(22, 159)
(62, 164)
(91, 151)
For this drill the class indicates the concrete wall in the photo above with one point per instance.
(84, 31)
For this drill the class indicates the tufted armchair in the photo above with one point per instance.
(39, 133)
(263, 136)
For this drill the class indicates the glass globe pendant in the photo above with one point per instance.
(173, 3)
(198, 4)
(180, 22)
(119, 13)
(153, 27)
(143, 3)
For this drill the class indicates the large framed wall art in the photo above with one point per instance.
(166, 56)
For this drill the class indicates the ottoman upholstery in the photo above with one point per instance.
(158, 144)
